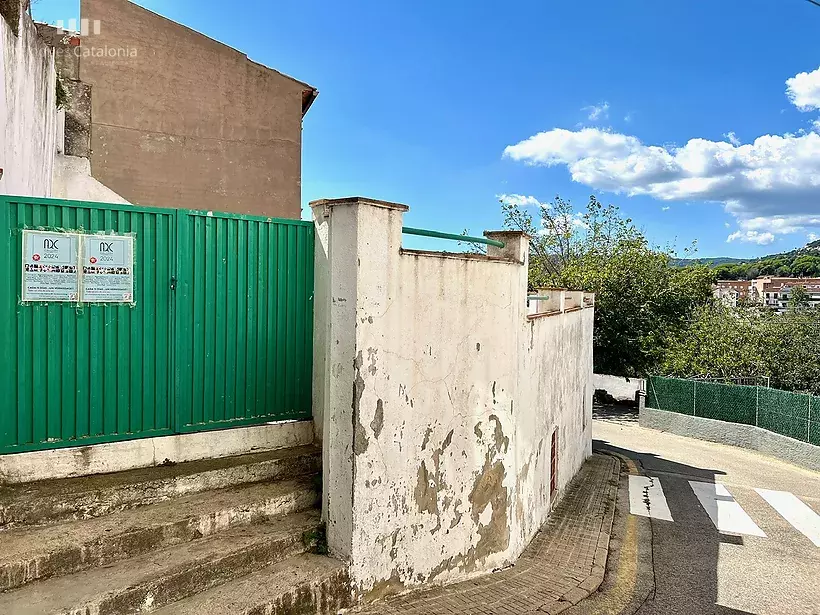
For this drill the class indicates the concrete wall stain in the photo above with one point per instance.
(378, 420)
(425, 493)
(360, 439)
(501, 441)
(489, 489)
(427, 435)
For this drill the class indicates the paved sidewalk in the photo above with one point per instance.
(564, 563)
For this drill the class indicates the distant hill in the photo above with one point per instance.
(711, 261)
(802, 262)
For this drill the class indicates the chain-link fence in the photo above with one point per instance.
(795, 415)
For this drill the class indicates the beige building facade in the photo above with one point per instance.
(180, 120)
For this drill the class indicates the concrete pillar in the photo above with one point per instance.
(551, 304)
(356, 237)
(516, 248)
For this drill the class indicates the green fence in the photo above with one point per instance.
(795, 415)
(219, 333)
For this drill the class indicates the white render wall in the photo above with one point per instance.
(438, 397)
(73, 181)
(28, 111)
(622, 389)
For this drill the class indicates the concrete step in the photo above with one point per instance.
(159, 578)
(94, 496)
(32, 553)
(302, 585)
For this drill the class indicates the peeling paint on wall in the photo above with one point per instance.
(378, 420)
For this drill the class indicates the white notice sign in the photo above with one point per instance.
(108, 269)
(50, 266)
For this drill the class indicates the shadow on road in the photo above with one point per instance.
(616, 413)
(685, 551)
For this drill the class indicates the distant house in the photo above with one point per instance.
(768, 291)
(732, 292)
(171, 118)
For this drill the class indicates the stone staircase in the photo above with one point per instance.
(225, 536)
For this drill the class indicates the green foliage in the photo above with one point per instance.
(727, 342)
(798, 298)
(719, 342)
(792, 350)
(641, 298)
(800, 263)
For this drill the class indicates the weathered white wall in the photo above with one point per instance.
(439, 398)
(622, 389)
(28, 111)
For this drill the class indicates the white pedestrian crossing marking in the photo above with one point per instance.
(795, 511)
(723, 510)
(646, 498)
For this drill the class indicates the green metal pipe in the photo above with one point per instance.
(534, 298)
(439, 235)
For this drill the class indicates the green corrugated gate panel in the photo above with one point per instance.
(784, 413)
(231, 346)
(245, 320)
(726, 402)
(671, 394)
(97, 373)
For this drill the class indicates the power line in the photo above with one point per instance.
(814, 2)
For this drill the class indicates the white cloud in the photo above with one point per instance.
(771, 185)
(761, 239)
(520, 200)
(813, 236)
(732, 138)
(774, 178)
(628, 118)
(597, 112)
(665, 208)
(803, 90)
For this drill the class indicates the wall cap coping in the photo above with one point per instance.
(466, 256)
(358, 200)
(557, 312)
(507, 234)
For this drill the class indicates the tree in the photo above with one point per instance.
(641, 299)
(718, 342)
(798, 298)
(792, 350)
(725, 342)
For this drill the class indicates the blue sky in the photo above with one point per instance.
(439, 105)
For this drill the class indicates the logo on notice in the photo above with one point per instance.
(106, 247)
(93, 260)
(36, 257)
(50, 244)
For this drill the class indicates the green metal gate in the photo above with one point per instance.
(220, 334)
(244, 319)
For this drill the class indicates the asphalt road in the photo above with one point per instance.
(727, 549)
